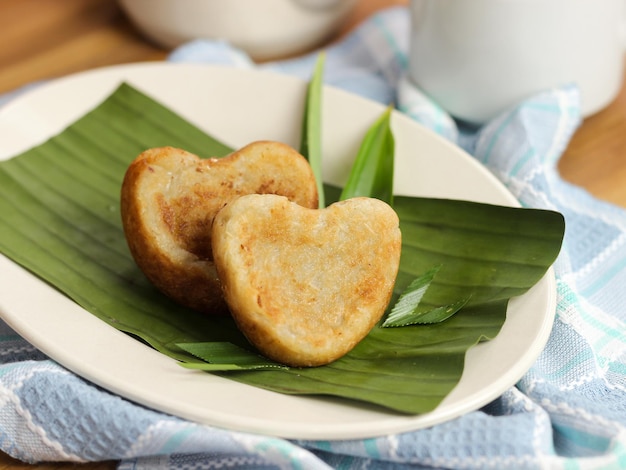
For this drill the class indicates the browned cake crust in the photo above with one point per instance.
(170, 197)
(305, 286)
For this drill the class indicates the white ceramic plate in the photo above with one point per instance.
(239, 106)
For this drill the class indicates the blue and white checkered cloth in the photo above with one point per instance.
(567, 412)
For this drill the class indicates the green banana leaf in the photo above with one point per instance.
(59, 218)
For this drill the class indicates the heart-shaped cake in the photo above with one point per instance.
(169, 199)
(306, 285)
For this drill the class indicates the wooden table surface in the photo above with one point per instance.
(44, 39)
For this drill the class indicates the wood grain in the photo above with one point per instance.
(43, 39)
(596, 156)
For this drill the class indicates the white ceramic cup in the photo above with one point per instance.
(478, 58)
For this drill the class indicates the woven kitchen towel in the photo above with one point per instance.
(567, 412)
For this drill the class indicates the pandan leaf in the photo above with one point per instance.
(372, 172)
(311, 139)
(407, 311)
